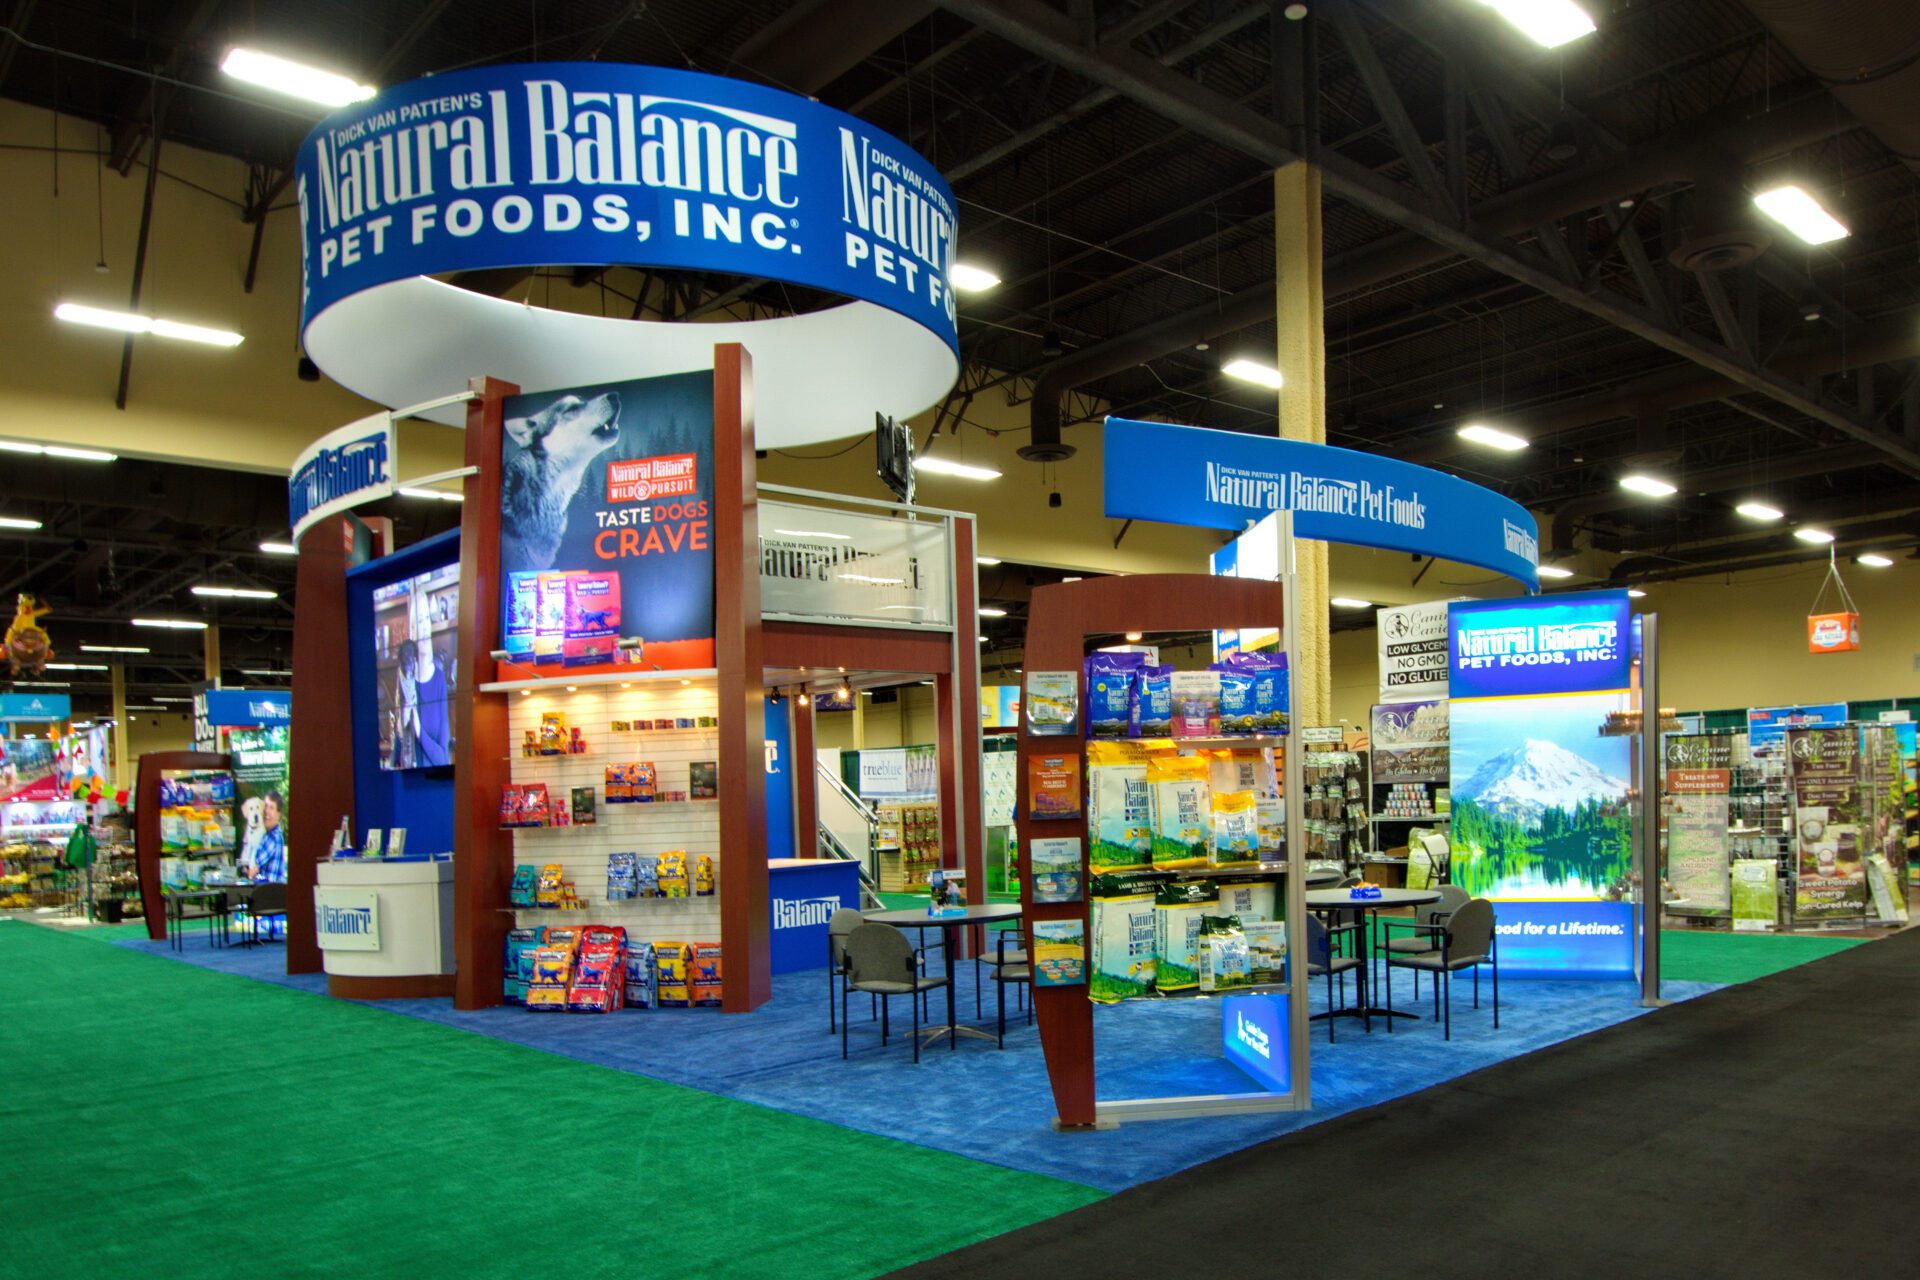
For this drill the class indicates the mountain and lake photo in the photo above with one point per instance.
(1540, 799)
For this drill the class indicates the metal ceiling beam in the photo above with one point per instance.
(17, 24)
(1046, 32)
(816, 42)
(148, 104)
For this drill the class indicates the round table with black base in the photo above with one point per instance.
(1343, 900)
(917, 918)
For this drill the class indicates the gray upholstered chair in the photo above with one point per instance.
(996, 953)
(881, 962)
(842, 922)
(1466, 942)
(261, 901)
(1323, 959)
(1422, 933)
(1011, 965)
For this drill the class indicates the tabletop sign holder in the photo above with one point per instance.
(1060, 619)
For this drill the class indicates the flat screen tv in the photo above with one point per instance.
(413, 628)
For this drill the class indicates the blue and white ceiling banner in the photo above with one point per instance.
(1225, 479)
(603, 163)
(348, 466)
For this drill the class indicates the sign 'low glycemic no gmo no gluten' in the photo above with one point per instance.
(1223, 479)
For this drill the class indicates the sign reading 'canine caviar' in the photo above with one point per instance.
(558, 163)
(606, 524)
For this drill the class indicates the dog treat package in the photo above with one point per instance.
(1177, 911)
(1119, 821)
(673, 874)
(519, 962)
(592, 619)
(550, 617)
(1196, 704)
(643, 781)
(623, 876)
(1124, 948)
(1270, 822)
(1182, 822)
(703, 973)
(525, 881)
(1266, 949)
(1271, 701)
(646, 870)
(1236, 832)
(1249, 900)
(1224, 962)
(671, 988)
(1241, 769)
(1238, 714)
(618, 789)
(1156, 702)
(523, 607)
(703, 876)
(550, 887)
(639, 983)
(583, 810)
(1113, 694)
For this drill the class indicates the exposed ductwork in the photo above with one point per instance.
(1884, 534)
(1866, 52)
(1747, 131)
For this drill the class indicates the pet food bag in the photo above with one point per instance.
(1236, 834)
(671, 987)
(673, 874)
(703, 877)
(1241, 769)
(1270, 822)
(549, 887)
(549, 617)
(1238, 712)
(592, 622)
(1271, 700)
(1156, 702)
(1182, 824)
(1266, 950)
(1224, 962)
(703, 973)
(526, 880)
(638, 992)
(1248, 901)
(1124, 950)
(646, 867)
(1113, 694)
(1120, 820)
(1177, 911)
(518, 967)
(523, 608)
(623, 877)
(1196, 704)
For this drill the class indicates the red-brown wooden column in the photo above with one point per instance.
(320, 740)
(747, 972)
(482, 852)
(963, 833)
(803, 769)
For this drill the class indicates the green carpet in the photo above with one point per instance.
(1688, 955)
(163, 1119)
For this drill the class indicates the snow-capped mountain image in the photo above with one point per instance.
(1524, 781)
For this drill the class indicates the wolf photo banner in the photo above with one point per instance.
(1224, 479)
(568, 164)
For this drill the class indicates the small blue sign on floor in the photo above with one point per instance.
(1253, 1032)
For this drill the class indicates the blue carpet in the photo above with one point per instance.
(995, 1105)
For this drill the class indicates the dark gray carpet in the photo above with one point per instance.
(1763, 1130)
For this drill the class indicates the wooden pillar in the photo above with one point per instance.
(1300, 315)
(805, 772)
(320, 742)
(122, 765)
(740, 658)
(210, 654)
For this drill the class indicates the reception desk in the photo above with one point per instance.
(803, 894)
(385, 927)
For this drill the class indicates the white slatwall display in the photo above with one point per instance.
(693, 825)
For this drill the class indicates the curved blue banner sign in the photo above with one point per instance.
(1223, 480)
(565, 163)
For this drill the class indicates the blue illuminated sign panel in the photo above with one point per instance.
(1564, 939)
(1253, 1035)
(1576, 643)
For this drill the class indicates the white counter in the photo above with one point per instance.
(385, 919)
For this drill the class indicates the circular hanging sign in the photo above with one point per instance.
(590, 163)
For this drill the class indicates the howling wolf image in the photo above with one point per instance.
(546, 461)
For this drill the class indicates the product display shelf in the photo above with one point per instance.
(1262, 871)
(581, 851)
(705, 678)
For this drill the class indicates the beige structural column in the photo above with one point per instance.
(1299, 313)
(212, 637)
(123, 770)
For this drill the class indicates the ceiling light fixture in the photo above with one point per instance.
(1635, 593)
(114, 648)
(1794, 208)
(815, 533)
(1350, 602)
(1807, 533)
(237, 593)
(161, 697)
(1548, 23)
(1759, 511)
(1872, 559)
(441, 495)
(263, 671)
(958, 470)
(967, 278)
(988, 611)
(1649, 486)
(90, 666)
(132, 322)
(280, 548)
(986, 561)
(58, 451)
(1554, 571)
(295, 79)
(1253, 371)
(1133, 637)
(171, 624)
(1492, 437)
(19, 522)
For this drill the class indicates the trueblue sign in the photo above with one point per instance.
(1253, 1035)
(1564, 939)
(45, 707)
(1223, 479)
(1770, 724)
(1577, 643)
(605, 162)
(228, 708)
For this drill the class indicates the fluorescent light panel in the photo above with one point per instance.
(958, 470)
(76, 666)
(1793, 207)
(263, 671)
(294, 79)
(1759, 511)
(132, 322)
(968, 278)
(439, 494)
(280, 548)
(1554, 571)
(1253, 371)
(816, 533)
(114, 648)
(171, 624)
(1635, 593)
(236, 593)
(58, 451)
(18, 522)
(1807, 533)
(1548, 23)
(1492, 437)
(988, 561)
(1349, 602)
(1873, 560)
(1651, 486)
(988, 611)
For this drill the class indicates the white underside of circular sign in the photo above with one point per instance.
(817, 377)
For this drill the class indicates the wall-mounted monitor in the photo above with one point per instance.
(414, 621)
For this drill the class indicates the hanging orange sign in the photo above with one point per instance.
(1833, 632)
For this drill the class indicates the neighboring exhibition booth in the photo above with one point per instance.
(566, 705)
